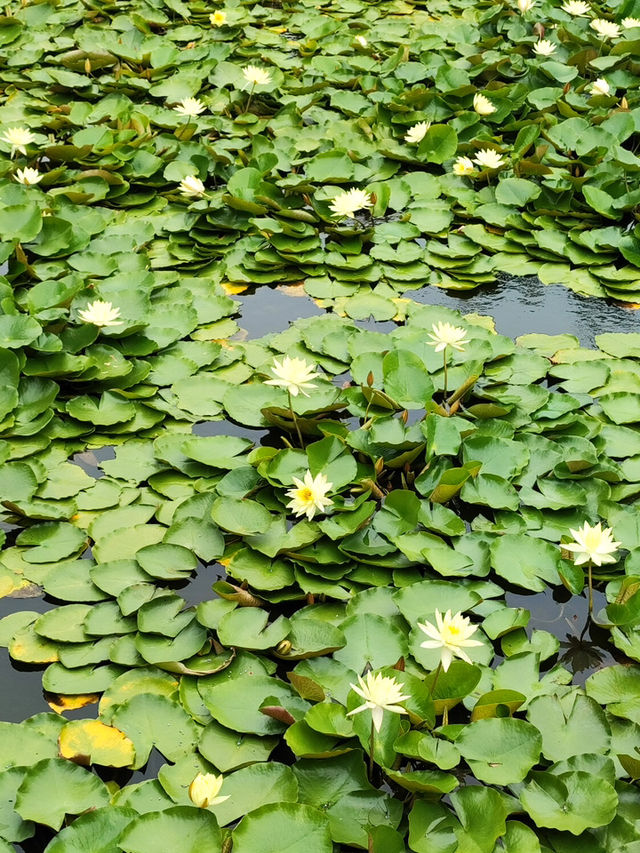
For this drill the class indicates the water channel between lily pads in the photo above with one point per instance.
(518, 306)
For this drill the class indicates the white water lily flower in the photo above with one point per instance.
(446, 335)
(450, 634)
(593, 544)
(203, 791)
(416, 133)
(605, 29)
(190, 107)
(577, 8)
(526, 5)
(629, 23)
(293, 374)
(192, 186)
(482, 105)
(463, 167)
(600, 87)
(361, 41)
(308, 497)
(544, 47)
(256, 76)
(380, 693)
(218, 19)
(28, 177)
(18, 138)
(100, 313)
(488, 159)
(350, 201)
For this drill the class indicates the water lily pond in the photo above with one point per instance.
(319, 426)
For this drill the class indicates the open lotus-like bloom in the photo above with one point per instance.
(350, 201)
(308, 497)
(203, 791)
(629, 23)
(488, 159)
(544, 47)
(18, 138)
(218, 19)
(380, 693)
(256, 76)
(446, 335)
(450, 634)
(294, 374)
(416, 133)
(190, 107)
(192, 186)
(463, 167)
(482, 105)
(100, 314)
(605, 29)
(577, 8)
(592, 545)
(28, 177)
(526, 5)
(600, 87)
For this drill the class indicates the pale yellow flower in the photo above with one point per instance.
(600, 87)
(577, 8)
(190, 107)
(203, 791)
(593, 544)
(482, 105)
(18, 138)
(544, 47)
(192, 186)
(100, 313)
(463, 167)
(361, 40)
(380, 693)
(605, 29)
(526, 5)
(256, 76)
(350, 201)
(446, 335)
(294, 374)
(308, 497)
(488, 159)
(450, 634)
(218, 19)
(417, 133)
(629, 23)
(28, 177)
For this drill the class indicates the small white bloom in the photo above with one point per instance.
(203, 791)
(294, 374)
(100, 313)
(18, 138)
(629, 23)
(600, 87)
(544, 47)
(463, 167)
(192, 186)
(308, 497)
(488, 159)
(605, 29)
(190, 107)
(593, 544)
(28, 176)
(416, 133)
(361, 41)
(526, 5)
(350, 201)
(446, 335)
(449, 635)
(482, 105)
(577, 8)
(256, 76)
(381, 693)
(218, 19)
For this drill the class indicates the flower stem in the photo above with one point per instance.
(295, 420)
(371, 746)
(444, 359)
(435, 680)
(250, 96)
(589, 566)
